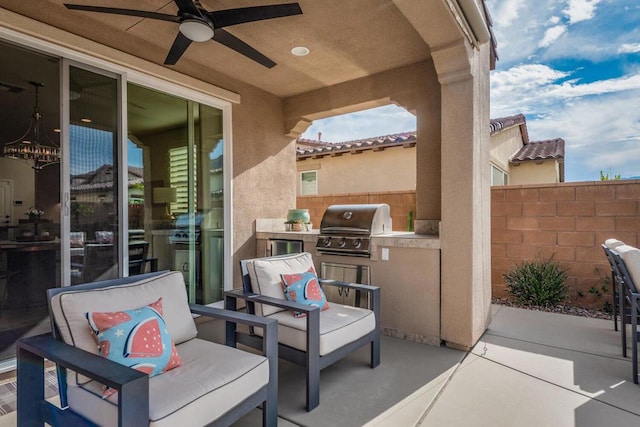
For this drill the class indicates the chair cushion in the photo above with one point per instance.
(304, 289)
(68, 309)
(339, 326)
(265, 276)
(136, 338)
(212, 379)
(631, 258)
(613, 243)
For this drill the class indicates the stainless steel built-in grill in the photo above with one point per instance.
(347, 229)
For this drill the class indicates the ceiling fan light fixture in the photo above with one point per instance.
(196, 30)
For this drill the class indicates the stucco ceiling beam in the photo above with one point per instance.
(405, 86)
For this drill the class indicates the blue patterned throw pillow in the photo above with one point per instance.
(304, 288)
(136, 338)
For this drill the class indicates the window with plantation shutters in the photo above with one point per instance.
(179, 178)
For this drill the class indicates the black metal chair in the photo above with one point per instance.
(307, 350)
(620, 299)
(627, 263)
(138, 258)
(134, 405)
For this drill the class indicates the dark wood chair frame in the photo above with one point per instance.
(310, 359)
(629, 302)
(132, 385)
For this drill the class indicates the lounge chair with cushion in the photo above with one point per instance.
(128, 354)
(627, 260)
(312, 333)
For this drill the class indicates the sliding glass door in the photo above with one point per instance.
(94, 172)
(175, 172)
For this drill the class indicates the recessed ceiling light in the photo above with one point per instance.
(300, 51)
(85, 120)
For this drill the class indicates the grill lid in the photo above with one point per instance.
(364, 219)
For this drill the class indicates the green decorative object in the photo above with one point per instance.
(299, 216)
(410, 221)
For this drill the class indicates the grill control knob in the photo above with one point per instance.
(342, 243)
(327, 242)
(357, 243)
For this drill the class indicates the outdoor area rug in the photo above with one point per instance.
(9, 390)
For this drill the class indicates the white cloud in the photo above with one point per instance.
(506, 12)
(551, 35)
(379, 121)
(629, 48)
(554, 20)
(580, 10)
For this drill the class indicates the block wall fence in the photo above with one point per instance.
(566, 222)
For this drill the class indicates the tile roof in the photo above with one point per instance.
(549, 149)
(499, 124)
(307, 148)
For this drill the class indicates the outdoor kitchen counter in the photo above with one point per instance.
(396, 239)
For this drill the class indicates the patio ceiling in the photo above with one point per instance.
(347, 39)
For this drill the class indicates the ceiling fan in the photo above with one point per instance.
(199, 25)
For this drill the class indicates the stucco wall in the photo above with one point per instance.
(505, 144)
(393, 169)
(546, 172)
(566, 221)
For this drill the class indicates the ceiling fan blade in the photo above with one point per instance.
(187, 6)
(225, 18)
(128, 12)
(232, 42)
(180, 45)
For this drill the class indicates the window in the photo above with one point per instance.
(308, 183)
(179, 178)
(498, 176)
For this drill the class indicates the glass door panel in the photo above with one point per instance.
(175, 187)
(93, 166)
(29, 243)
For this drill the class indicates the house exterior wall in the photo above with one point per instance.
(566, 221)
(505, 144)
(545, 172)
(393, 169)
(257, 171)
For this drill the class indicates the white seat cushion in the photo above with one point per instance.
(265, 276)
(631, 258)
(613, 243)
(339, 325)
(211, 380)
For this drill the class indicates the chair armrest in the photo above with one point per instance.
(132, 385)
(275, 302)
(232, 316)
(339, 284)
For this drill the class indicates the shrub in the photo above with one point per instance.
(537, 283)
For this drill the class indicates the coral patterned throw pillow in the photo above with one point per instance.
(136, 338)
(304, 288)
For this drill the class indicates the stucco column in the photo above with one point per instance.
(428, 158)
(465, 229)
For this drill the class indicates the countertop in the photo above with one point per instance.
(398, 239)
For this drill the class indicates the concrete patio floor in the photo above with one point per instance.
(529, 369)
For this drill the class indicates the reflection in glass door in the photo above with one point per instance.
(29, 193)
(175, 187)
(93, 167)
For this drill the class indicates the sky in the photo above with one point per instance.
(572, 67)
